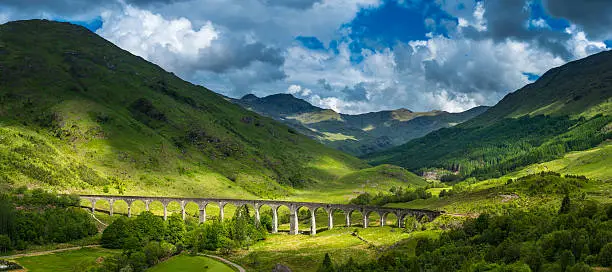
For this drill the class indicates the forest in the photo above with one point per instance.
(575, 238)
(495, 150)
(36, 217)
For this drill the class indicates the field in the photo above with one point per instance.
(186, 263)
(76, 260)
(305, 253)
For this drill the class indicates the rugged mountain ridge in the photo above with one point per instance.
(355, 134)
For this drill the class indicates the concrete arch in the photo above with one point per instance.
(263, 210)
(227, 209)
(85, 203)
(174, 206)
(102, 205)
(120, 206)
(137, 207)
(302, 213)
(355, 216)
(385, 219)
(284, 215)
(339, 215)
(192, 210)
(367, 221)
(212, 210)
(157, 207)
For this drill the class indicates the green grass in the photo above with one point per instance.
(107, 122)
(352, 183)
(189, 263)
(487, 195)
(75, 260)
(305, 253)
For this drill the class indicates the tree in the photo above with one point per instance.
(175, 232)
(116, 233)
(579, 267)
(327, 265)
(5, 243)
(605, 255)
(149, 227)
(565, 205)
(566, 259)
(411, 224)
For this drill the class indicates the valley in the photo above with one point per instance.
(355, 134)
(103, 150)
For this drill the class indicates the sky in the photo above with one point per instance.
(353, 56)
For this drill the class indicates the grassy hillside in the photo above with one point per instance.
(355, 134)
(496, 194)
(568, 109)
(79, 114)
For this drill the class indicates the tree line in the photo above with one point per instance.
(147, 239)
(36, 217)
(577, 238)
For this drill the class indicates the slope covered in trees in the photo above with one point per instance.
(568, 109)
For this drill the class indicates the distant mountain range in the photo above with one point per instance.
(355, 134)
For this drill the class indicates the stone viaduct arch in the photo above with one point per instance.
(273, 204)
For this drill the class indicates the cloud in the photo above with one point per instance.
(298, 90)
(296, 4)
(438, 73)
(474, 54)
(4, 18)
(169, 43)
(594, 16)
(178, 46)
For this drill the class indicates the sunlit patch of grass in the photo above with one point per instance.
(187, 263)
(75, 260)
(328, 136)
(305, 253)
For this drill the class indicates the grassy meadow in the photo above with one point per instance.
(187, 263)
(305, 253)
(69, 261)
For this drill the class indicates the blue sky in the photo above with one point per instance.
(351, 56)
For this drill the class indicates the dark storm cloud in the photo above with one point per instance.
(594, 16)
(296, 4)
(355, 93)
(225, 54)
(63, 8)
(508, 19)
(480, 79)
(324, 84)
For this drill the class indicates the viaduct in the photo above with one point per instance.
(348, 209)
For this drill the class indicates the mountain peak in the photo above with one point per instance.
(403, 110)
(249, 97)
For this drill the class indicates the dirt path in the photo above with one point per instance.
(240, 268)
(94, 217)
(45, 252)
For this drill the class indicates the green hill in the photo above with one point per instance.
(567, 109)
(80, 114)
(355, 134)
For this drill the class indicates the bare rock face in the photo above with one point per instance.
(281, 268)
